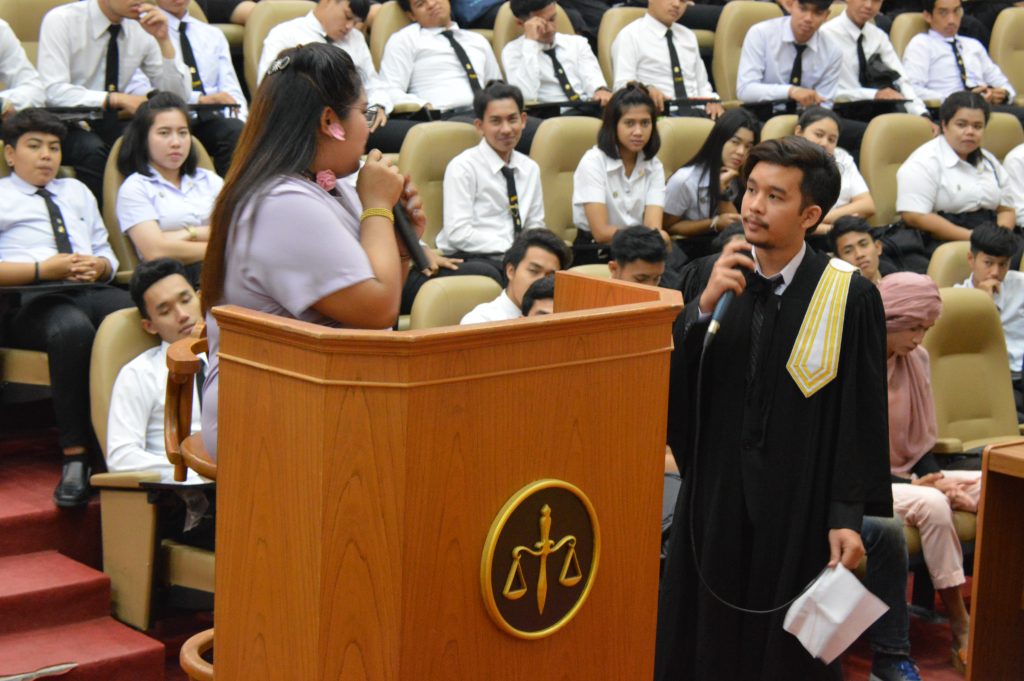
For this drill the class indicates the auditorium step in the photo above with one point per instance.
(47, 589)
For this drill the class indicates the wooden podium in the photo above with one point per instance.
(360, 473)
(996, 650)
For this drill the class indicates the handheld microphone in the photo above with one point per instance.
(409, 238)
(721, 307)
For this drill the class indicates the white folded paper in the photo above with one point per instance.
(832, 613)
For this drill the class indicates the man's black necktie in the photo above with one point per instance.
(797, 73)
(959, 62)
(862, 62)
(513, 199)
(189, 57)
(463, 58)
(110, 79)
(763, 290)
(563, 80)
(677, 70)
(60, 232)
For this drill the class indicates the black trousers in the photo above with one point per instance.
(219, 134)
(388, 139)
(480, 265)
(87, 150)
(63, 324)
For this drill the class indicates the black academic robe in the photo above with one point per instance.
(775, 471)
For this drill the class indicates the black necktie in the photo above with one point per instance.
(513, 199)
(677, 71)
(463, 58)
(563, 80)
(763, 290)
(959, 62)
(60, 233)
(110, 80)
(189, 57)
(798, 65)
(862, 62)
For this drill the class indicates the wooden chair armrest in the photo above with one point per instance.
(123, 480)
(948, 445)
(183, 364)
(406, 108)
(191, 659)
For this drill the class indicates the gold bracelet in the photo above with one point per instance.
(377, 213)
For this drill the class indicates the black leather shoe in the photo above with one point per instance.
(73, 489)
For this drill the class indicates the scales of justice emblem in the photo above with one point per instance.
(556, 571)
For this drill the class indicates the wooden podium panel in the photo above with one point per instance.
(996, 649)
(359, 473)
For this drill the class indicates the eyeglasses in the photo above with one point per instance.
(371, 114)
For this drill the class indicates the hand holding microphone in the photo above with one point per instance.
(726, 282)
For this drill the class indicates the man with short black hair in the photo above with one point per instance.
(852, 239)
(539, 299)
(638, 255)
(793, 446)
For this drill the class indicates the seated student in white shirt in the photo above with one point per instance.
(991, 250)
(1014, 165)
(697, 208)
(539, 299)
(638, 255)
(165, 201)
(878, 77)
(852, 239)
(951, 184)
(214, 81)
(619, 182)
(821, 126)
(52, 236)
(75, 42)
(535, 254)
(22, 85)
(657, 51)
(334, 22)
(533, 60)
(422, 61)
(933, 60)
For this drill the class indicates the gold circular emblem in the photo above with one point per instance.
(540, 559)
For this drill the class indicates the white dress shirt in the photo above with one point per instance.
(766, 63)
(853, 183)
(533, 72)
(935, 178)
(601, 179)
(306, 30)
(26, 234)
(687, 194)
(476, 207)
(141, 199)
(213, 60)
(421, 63)
(22, 85)
(640, 52)
(135, 422)
(930, 65)
(1014, 166)
(843, 33)
(73, 42)
(501, 309)
(1010, 303)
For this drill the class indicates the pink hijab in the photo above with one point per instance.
(910, 300)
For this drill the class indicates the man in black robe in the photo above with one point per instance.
(780, 482)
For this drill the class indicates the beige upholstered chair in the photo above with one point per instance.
(390, 18)
(888, 141)
(1006, 47)
(265, 16)
(681, 139)
(948, 265)
(904, 28)
(1002, 134)
(736, 19)
(779, 126)
(557, 148)
(234, 33)
(596, 270)
(426, 152)
(25, 17)
(507, 29)
(445, 301)
(613, 21)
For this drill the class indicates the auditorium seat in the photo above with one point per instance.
(25, 17)
(595, 270)
(888, 141)
(234, 33)
(507, 29)
(125, 251)
(557, 148)
(904, 27)
(445, 301)
(425, 155)
(613, 21)
(779, 126)
(1002, 134)
(736, 19)
(1006, 47)
(948, 265)
(681, 139)
(265, 16)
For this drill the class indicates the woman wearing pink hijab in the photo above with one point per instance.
(923, 495)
